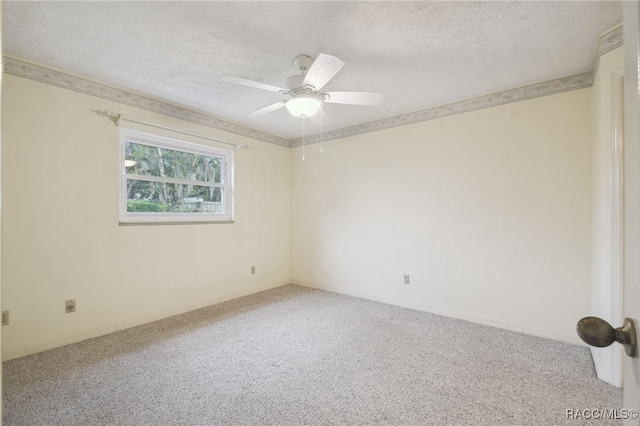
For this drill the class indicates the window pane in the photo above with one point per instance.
(157, 197)
(161, 162)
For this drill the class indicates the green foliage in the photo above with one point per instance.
(161, 162)
(146, 206)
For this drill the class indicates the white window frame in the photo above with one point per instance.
(226, 177)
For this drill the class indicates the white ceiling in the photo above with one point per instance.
(419, 54)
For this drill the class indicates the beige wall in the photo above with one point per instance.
(61, 238)
(488, 211)
(609, 65)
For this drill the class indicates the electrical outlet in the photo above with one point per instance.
(5, 317)
(70, 306)
(253, 270)
(407, 279)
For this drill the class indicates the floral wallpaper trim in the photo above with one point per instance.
(514, 95)
(608, 41)
(56, 78)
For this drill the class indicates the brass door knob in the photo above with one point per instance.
(597, 332)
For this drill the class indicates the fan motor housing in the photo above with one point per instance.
(295, 84)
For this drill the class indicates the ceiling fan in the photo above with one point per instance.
(305, 88)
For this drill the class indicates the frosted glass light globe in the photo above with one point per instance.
(303, 106)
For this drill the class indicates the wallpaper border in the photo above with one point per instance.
(610, 40)
(500, 98)
(57, 78)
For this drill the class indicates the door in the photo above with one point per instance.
(631, 22)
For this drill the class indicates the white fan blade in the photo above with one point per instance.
(323, 69)
(254, 84)
(267, 109)
(354, 98)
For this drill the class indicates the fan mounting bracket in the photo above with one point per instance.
(303, 62)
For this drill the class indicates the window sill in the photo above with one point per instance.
(204, 222)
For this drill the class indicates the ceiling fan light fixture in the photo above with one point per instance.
(303, 106)
(305, 88)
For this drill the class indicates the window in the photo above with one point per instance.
(168, 181)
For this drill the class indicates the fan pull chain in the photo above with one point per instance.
(303, 118)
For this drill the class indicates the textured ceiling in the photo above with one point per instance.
(419, 54)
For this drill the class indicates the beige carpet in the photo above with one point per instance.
(294, 356)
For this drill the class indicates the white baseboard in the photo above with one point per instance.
(603, 372)
(512, 326)
(417, 306)
(97, 332)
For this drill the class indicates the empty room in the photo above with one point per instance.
(320, 213)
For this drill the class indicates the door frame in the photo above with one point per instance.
(617, 218)
(631, 253)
